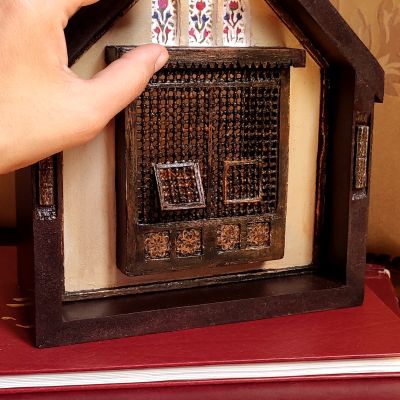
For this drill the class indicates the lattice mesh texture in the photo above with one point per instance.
(210, 116)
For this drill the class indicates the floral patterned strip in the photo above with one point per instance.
(234, 25)
(200, 22)
(164, 22)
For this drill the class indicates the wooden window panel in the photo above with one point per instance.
(204, 155)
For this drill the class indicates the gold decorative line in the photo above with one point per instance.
(18, 305)
(24, 326)
(21, 299)
(8, 318)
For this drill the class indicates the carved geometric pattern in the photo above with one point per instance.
(179, 186)
(46, 182)
(189, 242)
(361, 163)
(258, 235)
(46, 190)
(176, 123)
(234, 23)
(157, 245)
(228, 237)
(242, 182)
(248, 129)
(201, 22)
(164, 22)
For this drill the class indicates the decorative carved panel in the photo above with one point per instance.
(258, 235)
(228, 237)
(157, 246)
(243, 182)
(361, 161)
(189, 243)
(46, 189)
(179, 186)
(202, 163)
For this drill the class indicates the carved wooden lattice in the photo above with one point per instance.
(205, 150)
(226, 120)
(46, 190)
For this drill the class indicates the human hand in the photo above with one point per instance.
(44, 106)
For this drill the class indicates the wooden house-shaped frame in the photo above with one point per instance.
(352, 81)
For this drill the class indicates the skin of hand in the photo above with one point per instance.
(44, 107)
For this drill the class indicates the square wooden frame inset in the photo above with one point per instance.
(231, 164)
(197, 186)
(352, 81)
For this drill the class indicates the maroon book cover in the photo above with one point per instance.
(361, 341)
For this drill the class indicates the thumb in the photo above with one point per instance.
(122, 81)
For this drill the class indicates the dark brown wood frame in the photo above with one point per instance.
(352, 81)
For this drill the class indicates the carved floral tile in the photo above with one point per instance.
(188, 242)
(228, 237)
(157, 245)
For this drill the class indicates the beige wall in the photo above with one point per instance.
(377, 22)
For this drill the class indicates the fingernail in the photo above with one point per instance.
(161, 60)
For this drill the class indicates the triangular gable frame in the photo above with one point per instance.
(352, 81)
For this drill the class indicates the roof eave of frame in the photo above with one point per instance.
(317, 21)
(90, 23)
(321, 24)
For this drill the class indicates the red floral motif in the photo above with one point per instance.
(200, 5)
(200, 22)
(163, 4)
(233, 5)
(234, 17)
(163, 21)
(192, 33)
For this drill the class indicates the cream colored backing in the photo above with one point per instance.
(89, 194)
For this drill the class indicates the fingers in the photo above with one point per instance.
(121, 82)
